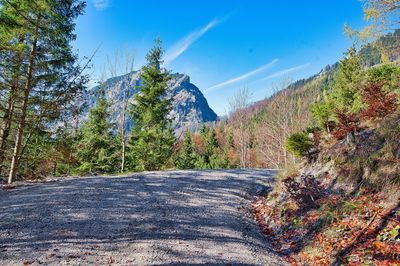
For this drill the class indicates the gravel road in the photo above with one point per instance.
(155, 218)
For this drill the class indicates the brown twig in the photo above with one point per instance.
(344, 251)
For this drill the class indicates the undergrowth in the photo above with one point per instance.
(346, 215)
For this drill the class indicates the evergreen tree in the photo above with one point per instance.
(219, 160)
(323, 112)
(65, 152)
(210, 144)
(187, 156)
(211, 158)
(299, 144)
(41, 75)
(346, 95)
(97, 147)
(152, 138)
(200, 162)
(230, 140)
(210, 140)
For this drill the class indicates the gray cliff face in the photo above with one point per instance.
(189, 106)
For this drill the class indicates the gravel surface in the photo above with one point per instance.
(155, 218)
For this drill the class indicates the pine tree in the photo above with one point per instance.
(324, 112)
(346, 95)
(11, 43)
(210, 143)
(152, 138)
(219, 160)
(230, 140)
(211, 158)
(97, 147)
(43, 67)
(187, 156)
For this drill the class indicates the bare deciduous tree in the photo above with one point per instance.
(238, 105)
(283, 115)
(120, 64)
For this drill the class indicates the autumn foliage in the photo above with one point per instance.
(338, 230)
(379, 102)
(347, 123)
(304, 192)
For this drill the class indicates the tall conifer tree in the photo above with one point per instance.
(187, 156)
(97, 147)
(43, 72)
(152, 137)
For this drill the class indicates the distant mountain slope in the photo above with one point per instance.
(270, 121)
(189, 106)
(313, 86)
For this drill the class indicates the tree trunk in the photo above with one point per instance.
(242, 144)
(21, 122)
(123, 141)
(6, 126)
(123, 156)
(9, 112)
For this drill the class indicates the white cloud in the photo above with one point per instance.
(286, 71)
(101, 4)
(244, 76)
(181, 46)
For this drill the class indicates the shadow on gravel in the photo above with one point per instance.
(99, 212)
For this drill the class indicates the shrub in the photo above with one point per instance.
(348, 122)
(388, 74)
(323, 114)
(380, 103)
(304, 191)
(299, 144)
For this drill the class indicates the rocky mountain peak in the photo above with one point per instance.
(189, 106)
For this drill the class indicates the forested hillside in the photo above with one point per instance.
(339, 204)
(255, 134)
(348, 178)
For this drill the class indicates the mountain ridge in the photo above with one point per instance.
(189, 106)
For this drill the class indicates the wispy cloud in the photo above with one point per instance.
(285, 71)
(101, 4)
(181, 46)
(242, 77)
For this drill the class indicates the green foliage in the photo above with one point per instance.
(40, 152)
(65, 153)
(388, 75)
(212, 157)
(299, 144)
(210, 142)
(323, 112)
(345, 93)
(41, 77)
(152, 138)
(219, 160)
(187, 156)
(230, 140)
(200, 162)
(394, 233)
(97, 146)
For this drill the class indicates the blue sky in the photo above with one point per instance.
(223, 45)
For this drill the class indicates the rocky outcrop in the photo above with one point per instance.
(189, 106)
